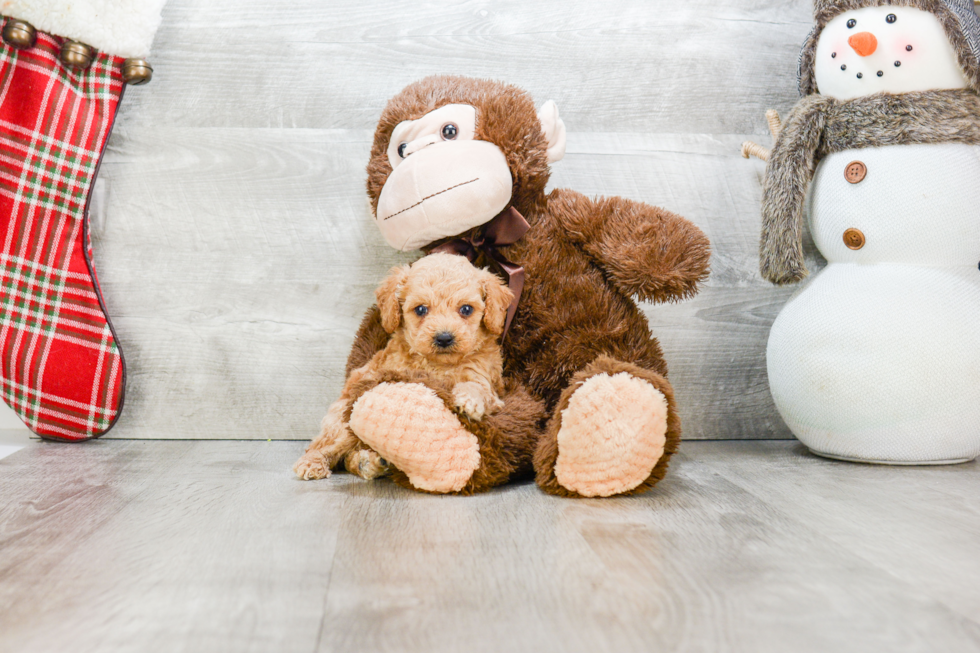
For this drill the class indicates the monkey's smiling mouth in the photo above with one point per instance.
(446, 190)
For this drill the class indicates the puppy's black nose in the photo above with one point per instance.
(444, 339)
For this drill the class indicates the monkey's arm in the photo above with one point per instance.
(646, 251)
(370, 339)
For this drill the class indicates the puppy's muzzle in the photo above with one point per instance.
(444, 340)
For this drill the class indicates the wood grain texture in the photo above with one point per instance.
(235, 246)
(633, 65)
(746, 547)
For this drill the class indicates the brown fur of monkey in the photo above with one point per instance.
(585, 262)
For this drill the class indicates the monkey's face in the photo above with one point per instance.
(443, 181)
(450, 153)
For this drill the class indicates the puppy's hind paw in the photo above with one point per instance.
(367, 464)
(311, 466)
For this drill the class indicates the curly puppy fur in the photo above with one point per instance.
(819, 126)
(442, 319)
(586, 262)
(826, 10)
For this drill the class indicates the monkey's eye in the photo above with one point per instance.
(421, 310)
(851, 23)
(891, 18)
(401, 150)
(466, 310)
(449, 132)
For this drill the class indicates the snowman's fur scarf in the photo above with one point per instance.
(819, 126)
(825, 10)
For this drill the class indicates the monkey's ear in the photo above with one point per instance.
(553, 129)
(388, 298)
(497, 298)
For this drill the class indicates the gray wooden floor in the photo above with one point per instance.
(747, 546)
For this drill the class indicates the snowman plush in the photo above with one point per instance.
(877, 357)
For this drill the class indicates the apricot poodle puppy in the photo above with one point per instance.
(445, 317)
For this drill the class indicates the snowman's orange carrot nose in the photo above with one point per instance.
(864, 43)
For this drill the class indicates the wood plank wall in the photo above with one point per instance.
(234, 244)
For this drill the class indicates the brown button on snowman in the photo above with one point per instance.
(877, 358)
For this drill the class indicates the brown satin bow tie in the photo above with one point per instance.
(505, 229)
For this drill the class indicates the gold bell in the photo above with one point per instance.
(136, 71)
(19, 34)
(77, 55)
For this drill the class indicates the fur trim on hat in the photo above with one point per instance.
(821, 125)
(957, 17)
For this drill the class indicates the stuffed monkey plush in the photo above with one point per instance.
(459, 162)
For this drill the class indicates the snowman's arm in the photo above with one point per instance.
(647, 252)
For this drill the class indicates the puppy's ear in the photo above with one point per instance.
(497, 298)
(389, 300)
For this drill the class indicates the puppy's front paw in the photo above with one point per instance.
(311, 466)
(366, 463)
(470, 398)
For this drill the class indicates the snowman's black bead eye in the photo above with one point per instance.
(843, 67)
(898, 63)
(851, 23)
(401, 150)
(449, 131)
(891, 18)
(833, 55)
(860, 75)
(908, 47)
(881, 73)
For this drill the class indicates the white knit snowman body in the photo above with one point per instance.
(877, 358)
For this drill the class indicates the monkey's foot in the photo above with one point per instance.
(612, 434)
(414, 430)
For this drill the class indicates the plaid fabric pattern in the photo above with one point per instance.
(62, 369)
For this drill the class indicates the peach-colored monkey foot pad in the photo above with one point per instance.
(613, 433)
(412, 428)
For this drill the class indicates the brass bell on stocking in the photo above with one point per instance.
(19, 34)
(77, 55)
(136, 71)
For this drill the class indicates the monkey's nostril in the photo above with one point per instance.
(444, 339)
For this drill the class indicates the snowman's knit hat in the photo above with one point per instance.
(957, 17)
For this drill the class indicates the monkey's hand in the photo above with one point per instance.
(646, 251)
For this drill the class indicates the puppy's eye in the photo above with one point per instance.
(851, 23)
(466, 310)
(421, 310)
(401, 150)
(449, 132)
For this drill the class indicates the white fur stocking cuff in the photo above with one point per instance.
(124, 28)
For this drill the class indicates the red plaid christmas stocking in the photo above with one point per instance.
(62, 369)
